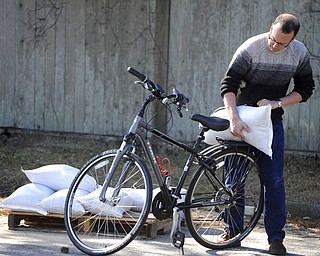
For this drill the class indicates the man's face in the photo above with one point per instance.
(277, 40)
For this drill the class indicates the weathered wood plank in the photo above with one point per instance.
(89, 68)
(99, 70)
(2, 63)
(76, 79)
(70, 67)
(10, 13)
(40, 81)
(151, 228)
(50, 116)
(80, 93)
(314, 137)
(59, 103)
(25, 75)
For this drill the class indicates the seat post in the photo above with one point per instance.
(200, 137)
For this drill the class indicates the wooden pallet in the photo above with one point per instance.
(151, 229)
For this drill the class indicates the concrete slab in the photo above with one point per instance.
(299, 242)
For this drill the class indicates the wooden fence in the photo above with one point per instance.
(64, 61)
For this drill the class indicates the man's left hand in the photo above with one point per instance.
(265, 102)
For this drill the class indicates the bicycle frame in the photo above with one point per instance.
(137, 131)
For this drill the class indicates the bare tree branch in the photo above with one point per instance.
(43, 18)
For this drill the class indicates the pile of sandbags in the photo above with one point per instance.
(49, 187)
(48, 190)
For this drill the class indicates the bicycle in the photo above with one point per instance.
(225, 187)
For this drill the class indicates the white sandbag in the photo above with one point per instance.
(259, 122)
(183, 193)
(55, 203)
(92, 203)
(26, 198)
(138, 198)
(59, 176)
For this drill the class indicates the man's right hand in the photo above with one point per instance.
(236, 124)
(237, 127)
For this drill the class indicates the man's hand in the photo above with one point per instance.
(237, 126)
(288, 100)
(265, 102)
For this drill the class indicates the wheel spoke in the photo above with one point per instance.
(234, 186)
(106, 227)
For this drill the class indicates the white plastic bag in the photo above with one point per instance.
(26, 198)
(56, 202)
(92, 203)
(59, 176)
(259, 122)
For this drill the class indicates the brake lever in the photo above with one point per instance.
(144, 85)
(181, 101)
(179, 111)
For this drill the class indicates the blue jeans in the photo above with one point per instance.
(274, 190)
(273, 181)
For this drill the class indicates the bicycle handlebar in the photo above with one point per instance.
(179, 99)
(136, 73)
(147, 83)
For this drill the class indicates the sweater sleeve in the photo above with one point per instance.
(236, 72)
(303, 80)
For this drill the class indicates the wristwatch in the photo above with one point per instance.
(279, 103)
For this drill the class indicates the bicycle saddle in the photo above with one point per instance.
(212, 122)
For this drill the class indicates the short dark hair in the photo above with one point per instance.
(288, 22)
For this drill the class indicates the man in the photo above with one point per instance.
(258, 75)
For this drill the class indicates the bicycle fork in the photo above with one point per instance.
(120, 153)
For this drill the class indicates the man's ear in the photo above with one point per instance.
(293, 38)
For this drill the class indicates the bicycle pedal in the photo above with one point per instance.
(178, 239)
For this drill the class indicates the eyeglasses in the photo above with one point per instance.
(278, 43)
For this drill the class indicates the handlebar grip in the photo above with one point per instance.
(137, 74)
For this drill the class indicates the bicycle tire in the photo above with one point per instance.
(206, 221)
(105, 228)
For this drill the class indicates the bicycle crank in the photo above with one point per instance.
(158, 208)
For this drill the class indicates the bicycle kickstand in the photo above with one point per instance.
(177, 236)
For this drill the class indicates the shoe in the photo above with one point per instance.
(277, 248)
(227, 236)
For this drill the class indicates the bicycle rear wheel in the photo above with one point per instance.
(102, 228)
(213, 210)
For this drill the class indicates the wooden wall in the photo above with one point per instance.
(73, 77)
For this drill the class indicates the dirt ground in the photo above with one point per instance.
(32, 149)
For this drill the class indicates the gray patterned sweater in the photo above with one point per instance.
(255, 72)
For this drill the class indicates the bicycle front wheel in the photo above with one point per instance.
(100, 228)
(225, 198)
